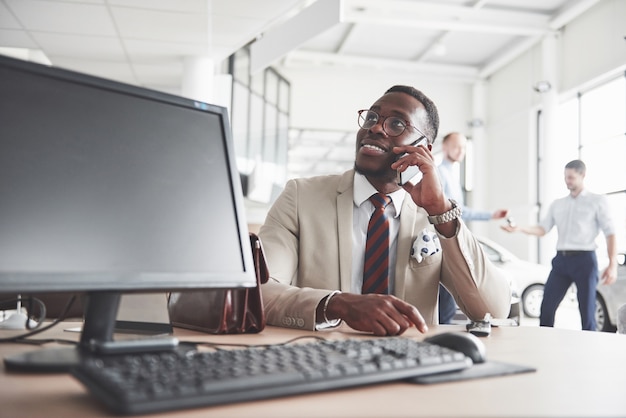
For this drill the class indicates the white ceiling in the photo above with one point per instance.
(467, 39)
(144, 42)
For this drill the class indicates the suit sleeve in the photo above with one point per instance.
(478, 286)
(286, 305)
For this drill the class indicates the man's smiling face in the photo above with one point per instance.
(374, 154)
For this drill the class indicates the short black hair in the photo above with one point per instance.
(577, 165)
(432, 122)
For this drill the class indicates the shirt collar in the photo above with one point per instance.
(363, 189)
(582, 193)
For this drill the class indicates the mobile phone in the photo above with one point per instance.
(412, 171)
(408, 174)
(480, 328)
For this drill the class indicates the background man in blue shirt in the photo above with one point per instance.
(453, 147)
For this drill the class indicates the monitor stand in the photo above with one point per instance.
(141, 314)
(96, 339)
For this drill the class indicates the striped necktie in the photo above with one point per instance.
(376, 268)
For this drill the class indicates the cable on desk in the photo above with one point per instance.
(22, 338)
(218, 346)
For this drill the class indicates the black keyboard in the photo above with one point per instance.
(141, 383)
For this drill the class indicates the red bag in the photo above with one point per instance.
(223, 311)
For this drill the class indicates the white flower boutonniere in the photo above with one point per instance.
(426, 244)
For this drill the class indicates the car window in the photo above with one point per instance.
(492, 254)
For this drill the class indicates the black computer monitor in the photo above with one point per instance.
(108, 188)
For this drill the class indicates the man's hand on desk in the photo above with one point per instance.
(379, 314)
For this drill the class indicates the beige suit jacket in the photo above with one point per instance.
(307, 239)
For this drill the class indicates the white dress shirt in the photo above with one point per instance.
(579, 220)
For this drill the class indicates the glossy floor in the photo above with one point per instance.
(567, 316)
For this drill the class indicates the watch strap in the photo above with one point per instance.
(448, 216)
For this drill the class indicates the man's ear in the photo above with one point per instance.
(430, 146)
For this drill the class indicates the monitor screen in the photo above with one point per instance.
(107, 187)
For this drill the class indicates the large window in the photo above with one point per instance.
(594, 127)
(260, 124)
(602, 140)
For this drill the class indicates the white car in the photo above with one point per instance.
(512, 267)
(610, 298)
(529, 278)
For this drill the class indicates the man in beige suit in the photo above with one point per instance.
(314, 235)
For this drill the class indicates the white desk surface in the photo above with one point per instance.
(579, 374)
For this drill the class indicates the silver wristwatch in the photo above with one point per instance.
(448, 216)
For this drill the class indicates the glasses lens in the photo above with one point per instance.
(367, 119)
(394, 126)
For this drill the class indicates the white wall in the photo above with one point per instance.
(511, 141)
(594, 44)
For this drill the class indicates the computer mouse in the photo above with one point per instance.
(466, 343)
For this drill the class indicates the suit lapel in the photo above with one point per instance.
(405, 242)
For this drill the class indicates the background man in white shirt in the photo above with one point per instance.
(579, 218)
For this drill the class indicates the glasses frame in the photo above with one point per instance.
(384, 119)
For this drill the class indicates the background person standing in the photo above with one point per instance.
(453, 146)
(579, 218)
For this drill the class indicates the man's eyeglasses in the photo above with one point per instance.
(392, 125)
